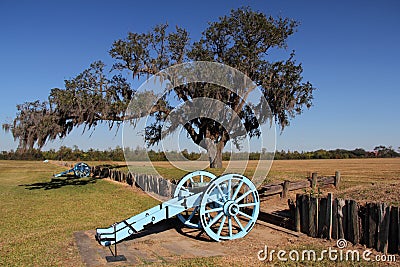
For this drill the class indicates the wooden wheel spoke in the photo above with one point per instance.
(221, 226)
(217, 201)
(230, 226)
(215, 219)
(213, 210)
(229, 189)
(221, 192)
(247, 205)
(193, 213)
(245, 215)
(238, 222)
(237, 189)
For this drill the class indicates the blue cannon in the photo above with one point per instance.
(226, 207)
(80, 170)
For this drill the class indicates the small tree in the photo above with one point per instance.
(385, 152)
(243, 40)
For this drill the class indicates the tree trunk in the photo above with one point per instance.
(214, 151)
(216, 158)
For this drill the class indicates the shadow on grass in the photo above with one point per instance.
(56, 183)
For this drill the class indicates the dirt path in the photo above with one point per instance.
(166, 243)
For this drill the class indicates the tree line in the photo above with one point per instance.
(138, 154)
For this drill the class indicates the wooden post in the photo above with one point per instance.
(394, 231)
(334, 234)
(164, 186)
(354, 225)
(285, 189)
(337, 179)
(363, 227)
(349, 223)
(94, 171)
(346, 219)
(155, 184)
(146, 183)
(314, 180)
(328, 216)
(305, 207)
(159, 185)
(340, 204)
(383, 227)
(150, 183)
(313, 216)
(322, 230)
(398, 227)
(102, 173)
(129, 178)
(139, 181)
(372, 224)
(170, 190)
(297, 213)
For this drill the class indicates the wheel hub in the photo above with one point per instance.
(231, 208)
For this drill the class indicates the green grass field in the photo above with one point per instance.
(39, 214)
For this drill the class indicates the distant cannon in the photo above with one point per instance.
(80, 170)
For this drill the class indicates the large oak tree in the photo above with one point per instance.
(246, 40)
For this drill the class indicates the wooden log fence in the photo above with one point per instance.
(166, 188)
(375, 225)
(150, 183)
(283, 188)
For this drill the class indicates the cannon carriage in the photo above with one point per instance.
(225, 207)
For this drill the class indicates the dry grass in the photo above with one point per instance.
(362, 179)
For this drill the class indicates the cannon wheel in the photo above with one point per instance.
(81, 170)
(229, 207)
(190, 217)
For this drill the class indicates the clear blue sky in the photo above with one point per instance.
(349, 50)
